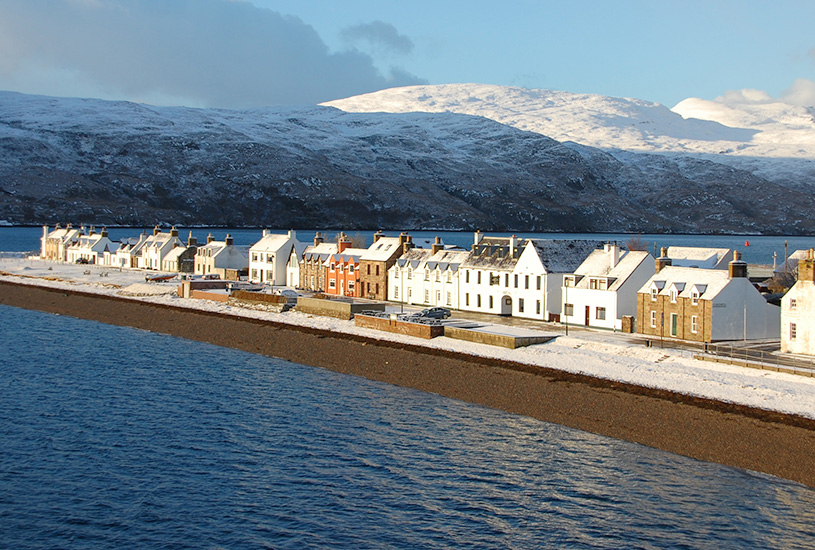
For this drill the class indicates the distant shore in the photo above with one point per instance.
(734, 435)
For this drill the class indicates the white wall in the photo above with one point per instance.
(803, 316)
(738, 301)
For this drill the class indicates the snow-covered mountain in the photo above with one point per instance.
(771, 139)
(103, 162)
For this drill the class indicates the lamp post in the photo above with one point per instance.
(565, 303)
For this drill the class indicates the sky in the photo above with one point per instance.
(254, 53)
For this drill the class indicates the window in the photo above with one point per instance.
(369, 287)
(526, 282)
(350, 286)
(270, 275)
(377, 289)
(539, 283)
(369, 272)
(438, 276)
(793, 303)
(673, 295)
(506, 280)
(395, 291)
(466, 276)
(438, 297)
(593, 284)
(478, 300)
(653, 319)
(449, 276)
(377, 269)
(490, 302)
(568, 310)
(332, 266)
(568, 281)
(654, 292)
(537, 307)
(694, 299)
(254, 256)
(270, 258)
(410, 273)
(426, 275)
(521, 305)
(395, 270)
(478, 277)
(467, 299)
(603, 284)
(516, 281)
(351, 268)
(449, 298)
(342, 267)
(254, 273)
(600, 314)
(426, 296)
(793, 331)
(332, 283)
(694, 324)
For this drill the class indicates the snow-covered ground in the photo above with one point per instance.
(594, 354)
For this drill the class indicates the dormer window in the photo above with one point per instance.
(694, 297)
(673, 295)
(654, 293)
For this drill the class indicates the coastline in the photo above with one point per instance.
(735, 435)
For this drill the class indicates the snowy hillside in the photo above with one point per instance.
(772, 139)
(103, 162)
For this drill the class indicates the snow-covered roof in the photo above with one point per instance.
(383, 249)
(691, 256)
(562, 256)
(63, 234)
(349, 255)
(599, 264)
(414, 258)
(173, 254)
(685, 280)
(272, 242)
(495, 253)
(791, 263)
(320, 252)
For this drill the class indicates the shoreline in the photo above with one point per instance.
(735, 435)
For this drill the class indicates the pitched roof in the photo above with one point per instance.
(495, 253)
(692, 256)
(708, 282)
(383, 249)
(271, 242)
(598, 264)
(563, 255)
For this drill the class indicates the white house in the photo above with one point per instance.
(798, 310)
(220, 257)
(427, 276)
(604, 287)
(126, 254)
(54, 244)
(89, 248)
(523, 278)
(268, 258)
(156, 247)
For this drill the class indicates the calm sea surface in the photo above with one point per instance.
(759, 251)
(117, 438)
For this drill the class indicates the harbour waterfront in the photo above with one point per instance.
(115, 437)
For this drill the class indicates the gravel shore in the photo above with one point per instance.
(734, 435)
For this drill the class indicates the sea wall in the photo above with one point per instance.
(735, 435)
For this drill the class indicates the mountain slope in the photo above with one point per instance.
(117, 162)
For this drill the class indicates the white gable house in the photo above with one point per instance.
(798, 310)
(604, 287)
(270, 256)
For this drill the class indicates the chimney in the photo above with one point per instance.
(477, 236)
(173, 232)
(92, 231)
(407, 244)
(292, 234)
(738, 267)
(192, 241)
(343, 243)
(437, 245)
(156, 230)
(378, 235)
(663, 260)
(210, 238)
(318, 238)
(806, 267)
(104, 232)
(265, 232)
(613, 252)
(228, 240)
(402, 238)
(512, 246)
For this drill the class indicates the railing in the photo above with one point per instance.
(765, 359)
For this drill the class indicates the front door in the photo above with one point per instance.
(588, 310)
(674, 324)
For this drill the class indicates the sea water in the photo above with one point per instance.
(112, 437)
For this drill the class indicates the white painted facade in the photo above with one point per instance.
(156, 247)
(54, 244)
(604, 288)
(798, 310)
(269, 258)
(89, 248)
(217, 257)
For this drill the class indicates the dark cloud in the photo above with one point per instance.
(380, 36)
(215, 53)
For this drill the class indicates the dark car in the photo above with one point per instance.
(435, 313)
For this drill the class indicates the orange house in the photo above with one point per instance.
(342, 270)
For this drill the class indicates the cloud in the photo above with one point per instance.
(801, 93)
(214, 53)
(382, 37)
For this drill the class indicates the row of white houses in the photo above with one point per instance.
(687, 293)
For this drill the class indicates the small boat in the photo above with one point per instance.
(160, 277)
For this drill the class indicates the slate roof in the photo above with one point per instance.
(563, 256)
(692, 256)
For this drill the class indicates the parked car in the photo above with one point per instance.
(435, 313)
